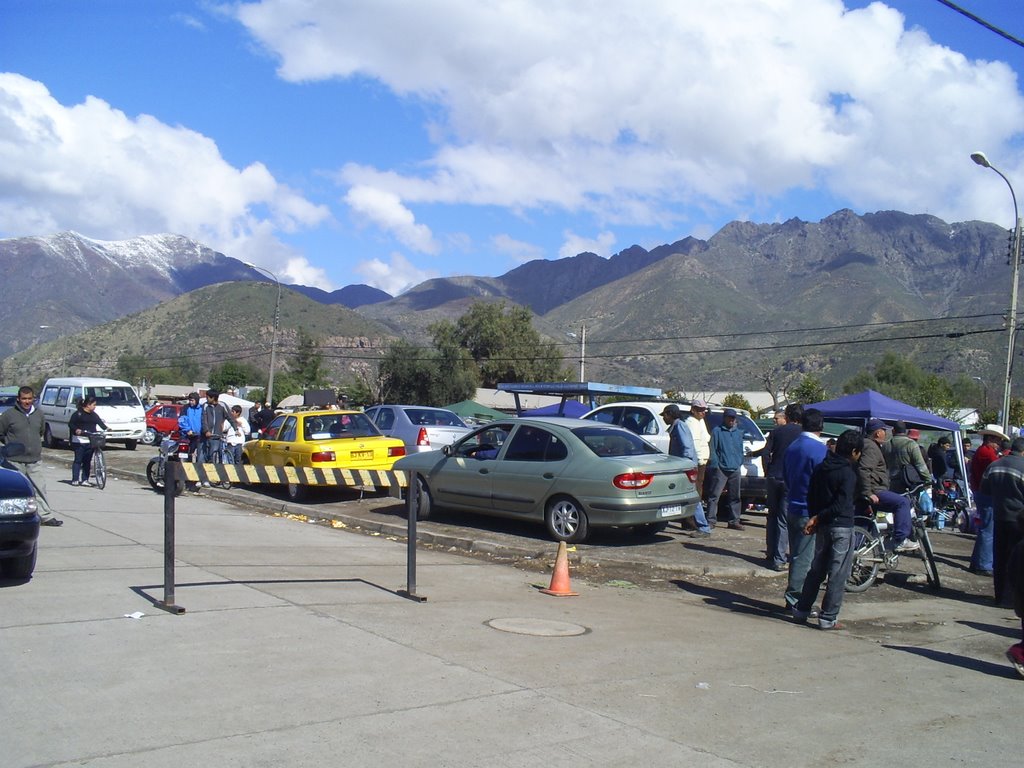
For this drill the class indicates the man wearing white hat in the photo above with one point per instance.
(981, 557)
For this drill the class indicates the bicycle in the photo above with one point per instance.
(873, 545)
(98, 440)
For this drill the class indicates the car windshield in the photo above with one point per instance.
(431, 417)
(337, 425)
(113, 395)
(607, 441)
(744, 424)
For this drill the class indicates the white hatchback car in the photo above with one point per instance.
(644, 418)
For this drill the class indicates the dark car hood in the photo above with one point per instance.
(13, 484)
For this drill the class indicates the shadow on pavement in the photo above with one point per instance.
(956, 660)
(1011, 632)
(142, 592)
(732, 601)
(712, 550)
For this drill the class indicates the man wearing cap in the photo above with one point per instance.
(988, 452)
(873, 486)
(701, 439)
(800, 460)
(1003, 481)
(680, 443)
(724, 462)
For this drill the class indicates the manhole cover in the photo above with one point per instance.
(537, 627)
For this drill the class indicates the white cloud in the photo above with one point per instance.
(517, 250)
(395, 277)
(634, 113)
(385, 209)
(574, 244)
(92, 169)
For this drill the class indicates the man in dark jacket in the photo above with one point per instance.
(873, 486)
(24, 423)
(1004, 482)
(724, 468)
(830, 500)
(779, 439)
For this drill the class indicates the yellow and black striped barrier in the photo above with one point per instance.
(261, 473)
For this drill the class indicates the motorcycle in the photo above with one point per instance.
(172, 448)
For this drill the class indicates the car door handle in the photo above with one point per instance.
(548, 475)
(483, 470)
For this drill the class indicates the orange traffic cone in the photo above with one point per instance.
(559, 586)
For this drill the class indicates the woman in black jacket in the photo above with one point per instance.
(83, 422)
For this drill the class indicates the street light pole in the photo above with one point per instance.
(980, 159)
(273, 338)
(984, 391)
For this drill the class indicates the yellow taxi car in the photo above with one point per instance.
(322, 440)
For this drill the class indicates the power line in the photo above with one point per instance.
(985, 24)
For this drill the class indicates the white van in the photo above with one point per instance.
(117, 403)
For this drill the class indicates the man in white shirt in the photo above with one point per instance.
(701, 439)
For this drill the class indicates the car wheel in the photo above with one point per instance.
(19, 567)
(48, 439)
(149, 437)
(426, 505)
(131, 445)
(566, 521)
(297, 492)
(650, 529)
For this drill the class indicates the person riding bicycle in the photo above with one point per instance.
(84, 422)
(873, 486)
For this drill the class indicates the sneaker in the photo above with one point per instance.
(737, 526)
(907, 546)
(53, 522)
(778, 566)
(798, 615)
(75, 482)
(1015, 653)
(981, 572)
(205, 484)
(827, 625)
(700, 534)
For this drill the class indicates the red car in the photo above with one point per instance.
(161, 419)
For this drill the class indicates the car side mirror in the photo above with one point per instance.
(446, 450)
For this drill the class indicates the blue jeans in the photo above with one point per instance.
(777, 526)
(701, 519)
(83, 462)
(833, 557)
(981, 557)
(899, 506)
(801, 553)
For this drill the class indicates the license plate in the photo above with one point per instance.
(670, 510)
(357, 455)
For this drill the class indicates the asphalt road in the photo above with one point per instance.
(295, 649)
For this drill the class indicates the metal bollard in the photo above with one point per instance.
(171, 470)
(412, 506)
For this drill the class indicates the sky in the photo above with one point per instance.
(336, 142)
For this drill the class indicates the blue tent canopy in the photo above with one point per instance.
(860, 407)
(571, 408)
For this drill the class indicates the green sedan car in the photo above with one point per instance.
(570, 474)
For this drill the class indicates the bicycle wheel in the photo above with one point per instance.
(866, 561)
(99, 470)
(931, 570)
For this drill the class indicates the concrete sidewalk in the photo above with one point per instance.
(295, 650)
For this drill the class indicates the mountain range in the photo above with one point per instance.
(753, 301)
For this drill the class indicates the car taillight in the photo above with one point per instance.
(632, 480)
(691, 475)
(396, 451)
(322, 456)
(421, 438)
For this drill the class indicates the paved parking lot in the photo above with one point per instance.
(296, 650)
